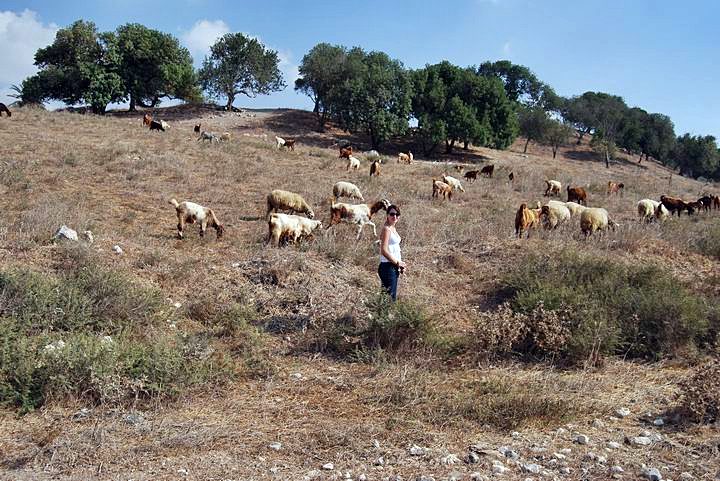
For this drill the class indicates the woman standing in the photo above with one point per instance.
(391, 264)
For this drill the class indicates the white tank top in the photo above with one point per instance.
(393, 247)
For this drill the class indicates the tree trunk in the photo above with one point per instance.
(555, 149)
(231, 99)
(607, 158)
(449, 146)
(582, 134)
(466, 144)
(526, 145)
(132, 104)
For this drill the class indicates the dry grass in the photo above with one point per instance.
(114, 177)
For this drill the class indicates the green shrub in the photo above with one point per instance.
(606, 307)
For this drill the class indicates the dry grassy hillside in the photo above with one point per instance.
(289, 376)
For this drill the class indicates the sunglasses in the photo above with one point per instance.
(394, 214)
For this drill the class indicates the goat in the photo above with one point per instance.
(190, 213)
(291, 227)
(279, 141)
(155, 125)
(577, 194)
(554, 213)
(3, 108)
(452, 181)
(553, 187)
(375, 168)
(440, 187)
(346, 152)
(360, 214)
(147, 118)
(405, 158)
(594, 219)
(225, 137)
(284, 200)
(716, 201)
(526, 219)
(706, 202)
(196, 129)
(488, 170)
(208, 136)
(674, 204)
(649, 209)
(471, 175)
(289, 144)
(353, 163)
(615, 188)
(347, 189)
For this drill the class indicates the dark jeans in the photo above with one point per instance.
(389, 274)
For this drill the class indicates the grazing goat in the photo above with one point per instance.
(359, 214)
(553, 188)
(554, 213)
(147, 118)
(353, 163)
(375, 168)
(289, 144)
(225, 137)
(279, 141)
(526, 219)
(3, 108)
(405, 158)
(649, 209)
(345, 152)
(716, 201)
(488, 170)
(453, 182)
(208, 136)
(440, 187)
(155, 125)
(706, 202)
(471, 175)
(290, 227)
(190, 213)
(674, 204)
(577, 194)
(595, 219)
(165, 125)
(284, 200)
(347, 189)
(196, 129)
(692, 207)
(615, 188)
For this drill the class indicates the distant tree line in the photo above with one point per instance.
(361, 92)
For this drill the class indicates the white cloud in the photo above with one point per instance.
(288, 68)
(506, 49)
(21, 35)
(202, 36)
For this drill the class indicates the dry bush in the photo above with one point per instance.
(700, 394)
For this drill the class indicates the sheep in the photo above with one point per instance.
(488, 170)
(190, 213)
(594, 219)
(574, 208)
(225, 137)
(553, 188)
(554, 213)
(353, 163)
(359, 214)
(526, 219)
(440, 187)
(155, 125)
(347, 189)
(284, 200)
(649, 209)
(674, 204)
(577, 194)
(289, 144)
(471, 175)
(375, 168)
(405, 158)
(3, 108)
(615, 188)
(279, 141)
(346, 151)
(147, 118)
(453, 182)
(196, 129)
(291, 227)
(208, 136)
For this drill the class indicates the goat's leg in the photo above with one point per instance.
(180, 226)
(373, 226)
(359, 231)
(203, 227)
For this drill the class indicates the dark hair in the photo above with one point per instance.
(393, 207)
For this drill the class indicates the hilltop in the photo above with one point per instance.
(287, 365)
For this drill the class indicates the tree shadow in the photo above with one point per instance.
(589, 156)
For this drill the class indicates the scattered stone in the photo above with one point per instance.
(566, 451)
(312, 475)
(328, 466)
(65, 233)
(639, 441)
(425, 478)
(177, 305)
(416, 450)
(235, 265)
(88, 237)
(455, 476)
(296, 376)
(499, 468)
(275, 446)
(559, 455)
(656, 437)
(117, 250)
(472, 458)
(686, 476)
(362, 477)
(347, 475)
(81, 414)
(531, 468)
(613, 445)
(598, 424)
(659, 422)
(561, 431)
(134, 419)
(565, 470)
(376, 444)
(617, 469)
(515, 434)
(450, 459)
(508, 452)
(652, 474)
(380, 461)
(622, 412)
(582, 439)
(183, 472)
(478, 477)
(106, 341)
(54, 346)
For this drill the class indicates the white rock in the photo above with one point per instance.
(613, 445)
(598, 424)
(640, 441)
(183, 472)
(617, 469)
(622, 412)
(566, 451)
(499, 469)
(559, 455)
(478, 477)
(450, 459)
(531, 468)
(561, 431)
(362, 477)
(88, 237)
(652, 474)
(275, 446)
(565, 470)
(117, 250)
(65, 233)
(582, 439)
(416, 450)
(515, 434)
(347, 475)
(328, 466)
(686, 476)
(376, 444)
(54, 346)
(508, 452)
(106, 341)
(472, 457)
(312, 475)
(659, 422)
(380, 461)
(296, 375)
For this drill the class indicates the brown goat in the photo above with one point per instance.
(577, 194)
(3, 108)
(375, 168)
(488, 170)
(440, 187)
(471, 175)
(155, 125)
(526, 219)
(706, 202)
(345, 152)
(197, 128)
(290, 144)
(674, 204)
(615, 188)
(147, 119)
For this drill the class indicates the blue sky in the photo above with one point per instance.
(659, 55)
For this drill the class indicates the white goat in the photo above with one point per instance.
(290, 227)
(359, 214)
(453, 182)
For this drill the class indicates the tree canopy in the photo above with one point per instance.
(240, 65)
